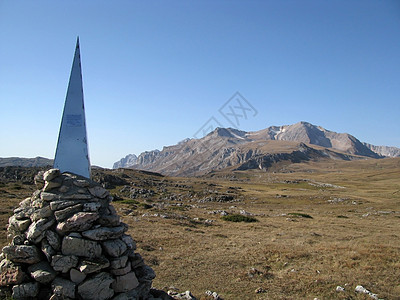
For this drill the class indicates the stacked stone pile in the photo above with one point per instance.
(67, 242)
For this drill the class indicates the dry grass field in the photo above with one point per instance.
(318, 226)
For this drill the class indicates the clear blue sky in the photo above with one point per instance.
(156, 71)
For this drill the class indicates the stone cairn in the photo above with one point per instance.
(67, 242)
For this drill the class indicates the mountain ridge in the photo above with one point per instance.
(25, 162)
(234, 148)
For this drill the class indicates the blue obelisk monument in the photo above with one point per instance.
(72, 154)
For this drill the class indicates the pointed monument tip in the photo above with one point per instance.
(77, 42)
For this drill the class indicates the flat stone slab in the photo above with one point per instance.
(46, 196)
(61, 204)
(80, 247)
(97, 287)
(22, 254)
(36, 229)
(67, 212)
(80, 221)
(41, 213)
(88, 266)
(63, 263)
(104, 233)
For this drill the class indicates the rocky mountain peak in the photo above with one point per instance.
(229, 147)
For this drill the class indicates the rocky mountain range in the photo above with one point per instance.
(236, 149)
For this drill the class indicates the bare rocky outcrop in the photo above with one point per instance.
(67, 242)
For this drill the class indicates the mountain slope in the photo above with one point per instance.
(25, 162)
(129, 160)
(316, 135)
(384, 150)
(232, 148)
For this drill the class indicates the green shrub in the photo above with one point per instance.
(239, 218)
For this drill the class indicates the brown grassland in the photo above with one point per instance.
(319, 225)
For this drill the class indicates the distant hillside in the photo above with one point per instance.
(227, 147)
(384, 150)
(25, 162)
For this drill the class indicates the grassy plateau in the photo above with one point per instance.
(295, 232)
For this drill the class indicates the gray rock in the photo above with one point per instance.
(91, 206)
(128, 240)
(26, 202)
(76, 276)
(77, 197)
(123, 296)
(19, 225)
(81, 183)
(63, 189)
(51, 174)
(78, 222)
(37, 229)
(98, 191)
(22, 213)
(125, 283)
(61, 204)
(41, 213)
(49, 185)
(104, 233)
(97, 287)
(42, 272)
(340, 289)
(25, 290)
(10, 273)
(46, 196)
(38, 179)
(53, 239)
(63, 263)
(47, 249)
(121, 271)
(75, 234)
(136, 261)
(18, 239)
(119, 262)
(63, 288)
(114, 248)
(183, 296)
(145, 273)
(88, 266)
(22, 254)
(80, 247)
(67, 212)
(362, 290)
(109, 220)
